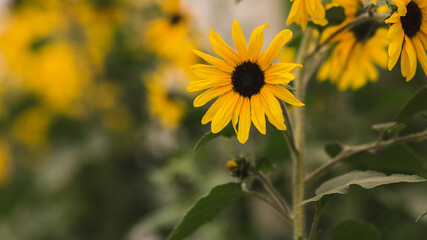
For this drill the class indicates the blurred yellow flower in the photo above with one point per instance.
(408, 36)
(31, 127)
(358, 51)
(301, 10)
(35, 53)
(169, 36)
(246, 83)
(169, 110)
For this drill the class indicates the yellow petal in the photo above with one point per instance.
(284, 94)
(222, 48)
(210, 114)
(224, 66)
(298, 14)
(224, 113)
(256, 42)
(279, 68)
(236, 113)
(411, 58)
(317, 12)
(421, 53)
(210, 94)
(244, 121)
(239, 40)
(395, 48)
(283, 79)
(394, 18)
(207, 71)
(272, 109)
(257, 113)
(274, 49)
(200, 85)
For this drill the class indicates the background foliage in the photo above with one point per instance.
(84, 155)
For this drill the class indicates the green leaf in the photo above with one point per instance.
(206, 208)
(333, 149)
(416, 104)
(226, 132)
(354, 230)
(421, 216)
(335, 15)
(365, 179)
(264, 165)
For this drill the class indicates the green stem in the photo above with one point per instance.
(315, 223)
(275, 194)
(268, 202)
(416, 137)
(299, 157)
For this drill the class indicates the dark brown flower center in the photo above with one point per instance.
(411, 23)
(247, 79)
(364, 31)
(175, 19)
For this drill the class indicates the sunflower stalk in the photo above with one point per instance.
(299, 156)
(376, 145)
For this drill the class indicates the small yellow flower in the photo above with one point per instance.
(302, 9)
(246, 83)
(358, 51)
(407, 36)
(170, 111)
(168, 36)
(231, 166)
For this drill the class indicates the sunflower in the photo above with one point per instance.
(168, 36)
(246, 83)
(302, 9)
(358, 51)
(408, 36)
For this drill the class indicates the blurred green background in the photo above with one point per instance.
(97, 132)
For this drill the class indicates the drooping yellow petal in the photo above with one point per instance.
(274, 49)
(256, 41)
(210, 94)
(421, 53)
(395, 48)
(222, 48)
(239, 40)
(236, 113)
(244, 121)
(317, 12)
(210, 114)
(224, 114)
(298, 14)
(224, 66)
(412, 58)
(272, 109)
(257, 113)
(284, 94)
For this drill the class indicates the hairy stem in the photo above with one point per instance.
(315, 223)
(353, 150)
(272, 205)
(299, 157)
(275, 194)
